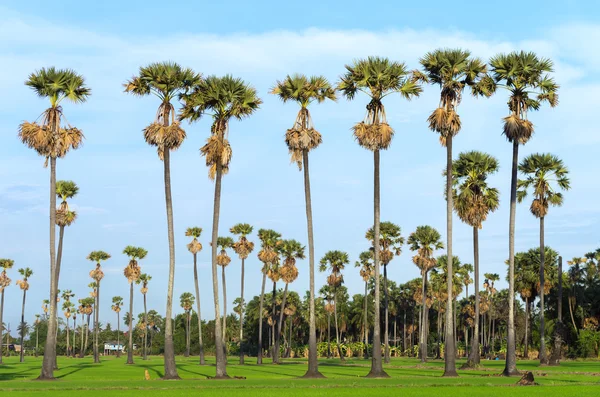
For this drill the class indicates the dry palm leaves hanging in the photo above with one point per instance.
(243, 247)
(289, 273)
(366, 273)
(164, 137)
(4, 281)
(302, 136)
(23, 284)
(144, 289)
(374, 133)
(65, 218)
(267, 256)
(386, 256)
(132, 271)
(223, 259)
(273, 272)
(329, 307)
(194, 246)
(289, 310)
(217, 149)
(97, 273)
(335, 280)
(517, 129)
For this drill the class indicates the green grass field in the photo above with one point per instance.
(408, 378)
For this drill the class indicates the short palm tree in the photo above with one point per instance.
(132, 273)
(97, 275)
(24, 285)
(335, 262)
(378, 78)
(425, 240)
(243, 247)
(453, 70)
(194, 247)
(117, 302)
(473, 201)
(186, 301)
(166, 80)
(5, 281)
(68, 308)
(224, 98)
(301, 139)
(525, 76)
(223, 260)
(86, 308)
(365, 263)
(52, 139)
(144, 279)
(544, 174)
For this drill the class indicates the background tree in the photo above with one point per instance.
(144, 279)
(117, 302)
(132, 273)
(335, 262)
(194, 247)
(223, 260)
(5, 281)
(24, 285)
(365, 263)
(68, 308)
(97, 275)
(186, 301)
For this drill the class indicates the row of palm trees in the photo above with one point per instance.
(524, 76)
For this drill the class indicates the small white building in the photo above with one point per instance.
(112, 348)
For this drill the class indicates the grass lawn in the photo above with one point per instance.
(408, 378)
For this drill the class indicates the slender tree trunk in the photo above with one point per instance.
(130, 345)
(423, 319)
(337, 334)
(366, 322)
(187, 335)
(260, 320)
(145, 329)
(289, 352)
(328, 335)
(558, 329)
(2, 325)
(87, 335)
(224, 308)
(386, 340)
(511, 358)
(58, 262)
(96, 322)
(278, 339)
(202, 362)
(242, 315)
(118, 335)
(466, 332)
(81, 350)
(404, 331)
(219, 345)
(395, 331)
(274, 355)
(571, 304)
(526, 348)
(22, 324)
(68, 339)
(313, 364)
(474, 358)
(543, 355)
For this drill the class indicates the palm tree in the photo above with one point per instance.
(243, 248)
(268, 255)
(24, 285)
(425, 240)
(97, 275)
(526, 285)
(525, 77)
(223, 98)
(68, 307)
(36, 324)
(144, 279)
(390, 242)
(50, 138)
(301, 139)
(194, 247)
(473, 201)
(453, 70)
(5, 281)
(166, 80)
(545, 174)
(365, 263)
(64, 216)
(85, 308)
(117, 302)
(132, 273)
(224, 260)
(186, 300)
(290, 250)
(336, 261)
(378, 78)
(274, 275)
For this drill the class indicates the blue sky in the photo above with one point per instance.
(121, 200)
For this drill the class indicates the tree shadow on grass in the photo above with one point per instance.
(276, 373)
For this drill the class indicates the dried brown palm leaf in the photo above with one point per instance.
(267, 256)
(4, 281)
(329, 307)
(517, 129)
(36, 137)
(334, 280)
(132, 271)
(97, 274)
(243, 247)
(164, 137)
(289, 273)
(23, 284)
(223, 259)
(143, 290)
(539, 208)
(194, 246)
(386, 256)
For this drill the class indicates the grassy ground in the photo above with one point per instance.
(581, 378)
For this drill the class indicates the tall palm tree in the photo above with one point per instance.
(224, 260)
(526, 78)
(544, 174)
(65, 190)
(453, 70)
(68, 308)
(274, 275)
(166, 80)
(390, 242)
(24, 285)
(194, 247)
(473, 201)
(223, 98)
(526, 285)
(335, 262)
(268, 255)
(5, 281)
(52, 139)
(117, 302)
(132, 273)
(425, 240)
(378, 78)
(243, 248)
(365, 263)
(186, 301)
(144, 279)
(97, 275)
(85, 309)
(301, 139)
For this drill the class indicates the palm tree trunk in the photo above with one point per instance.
(130, 345)
(404, 331)
(2, 324)
(279, 325)
(474, 358)
(242, 315)
(423, 319)
(386, 340)
(511, 358)
(118, 335)
(450, 346)
(219, 346)
(376, 363)
(526, 349)
(202, 362)
(22, 332)
(96, 322)
(313, 364)
(187, 334)
(274, 355)
(571, 304)
(558, 330)
(337, 334)
(81, 350)
(145, 329)
(328, 335)
(289, 351)
(366, 323)
(58, 262)
(260, 320)
(224, 307)
(73, 343)
(87, 335)
(67, 353)
(543, 356)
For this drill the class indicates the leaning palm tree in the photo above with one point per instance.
(224, 260)
(5, 281)
(544, 174)
(194, 247)
(365, 263)
(144, 279)
(165, 80)
(525, 77)
(473, 201)
(378, 78)
(132, 273)
(97, 275)
(453, 70)
(425, 240)
(336, 261)
(223, 98)
(243, 248)
(52, 139)
(186, 301)
(268, 255)
(117, 302)
(301, 139)
(24, 285)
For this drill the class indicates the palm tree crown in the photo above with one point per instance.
(194, 246)
(425, 240)
(390, 240)
(242, 247)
